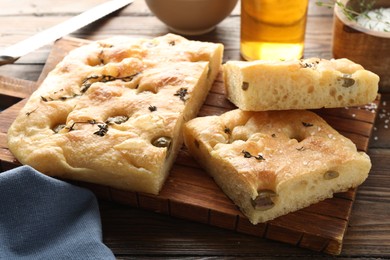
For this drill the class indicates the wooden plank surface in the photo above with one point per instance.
(190, 193)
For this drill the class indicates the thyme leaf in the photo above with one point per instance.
(32, 111)
(247, 154)
(182, 92)
(61, 98)
(259, 157)
(87, 82)
(363, 5)
(152, 108)
(103, 129)
(72, 127)
(307, 124)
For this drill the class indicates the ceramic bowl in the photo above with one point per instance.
(191, 17)
(365, 46)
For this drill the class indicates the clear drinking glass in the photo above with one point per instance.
(273, 29)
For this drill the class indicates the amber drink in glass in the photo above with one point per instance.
(273, 29)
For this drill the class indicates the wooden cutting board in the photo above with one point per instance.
(191, 194)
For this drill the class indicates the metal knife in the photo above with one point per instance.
(14, 52)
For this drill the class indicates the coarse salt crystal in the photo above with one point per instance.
(376, 19)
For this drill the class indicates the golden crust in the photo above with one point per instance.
(294, 155)
(112, 111)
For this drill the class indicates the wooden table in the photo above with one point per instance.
(137, 233)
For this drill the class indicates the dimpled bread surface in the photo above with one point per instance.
(112, 111)
(298, 84)
(271, 163)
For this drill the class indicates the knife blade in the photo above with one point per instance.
(14, 52)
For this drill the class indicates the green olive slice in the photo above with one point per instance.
(347, 80)
(162, 141)
(331, 175)
(264, 200)
(116, 120)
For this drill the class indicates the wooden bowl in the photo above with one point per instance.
(369, 48)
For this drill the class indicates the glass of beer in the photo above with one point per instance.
(273, 29)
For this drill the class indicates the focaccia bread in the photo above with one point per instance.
(300, 84)
(271, 163)
(112, 111)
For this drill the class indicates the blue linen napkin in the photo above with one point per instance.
(45, 218)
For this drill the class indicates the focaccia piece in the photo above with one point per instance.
(299, 84)
(112, 111)
(271, 163)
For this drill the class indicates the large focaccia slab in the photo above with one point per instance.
(298, 84)
(112, 111)
(274, 162)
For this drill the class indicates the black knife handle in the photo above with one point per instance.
(7, 59)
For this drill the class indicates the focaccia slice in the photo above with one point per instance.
(112, 111)
(299, 84)
(271, 163)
